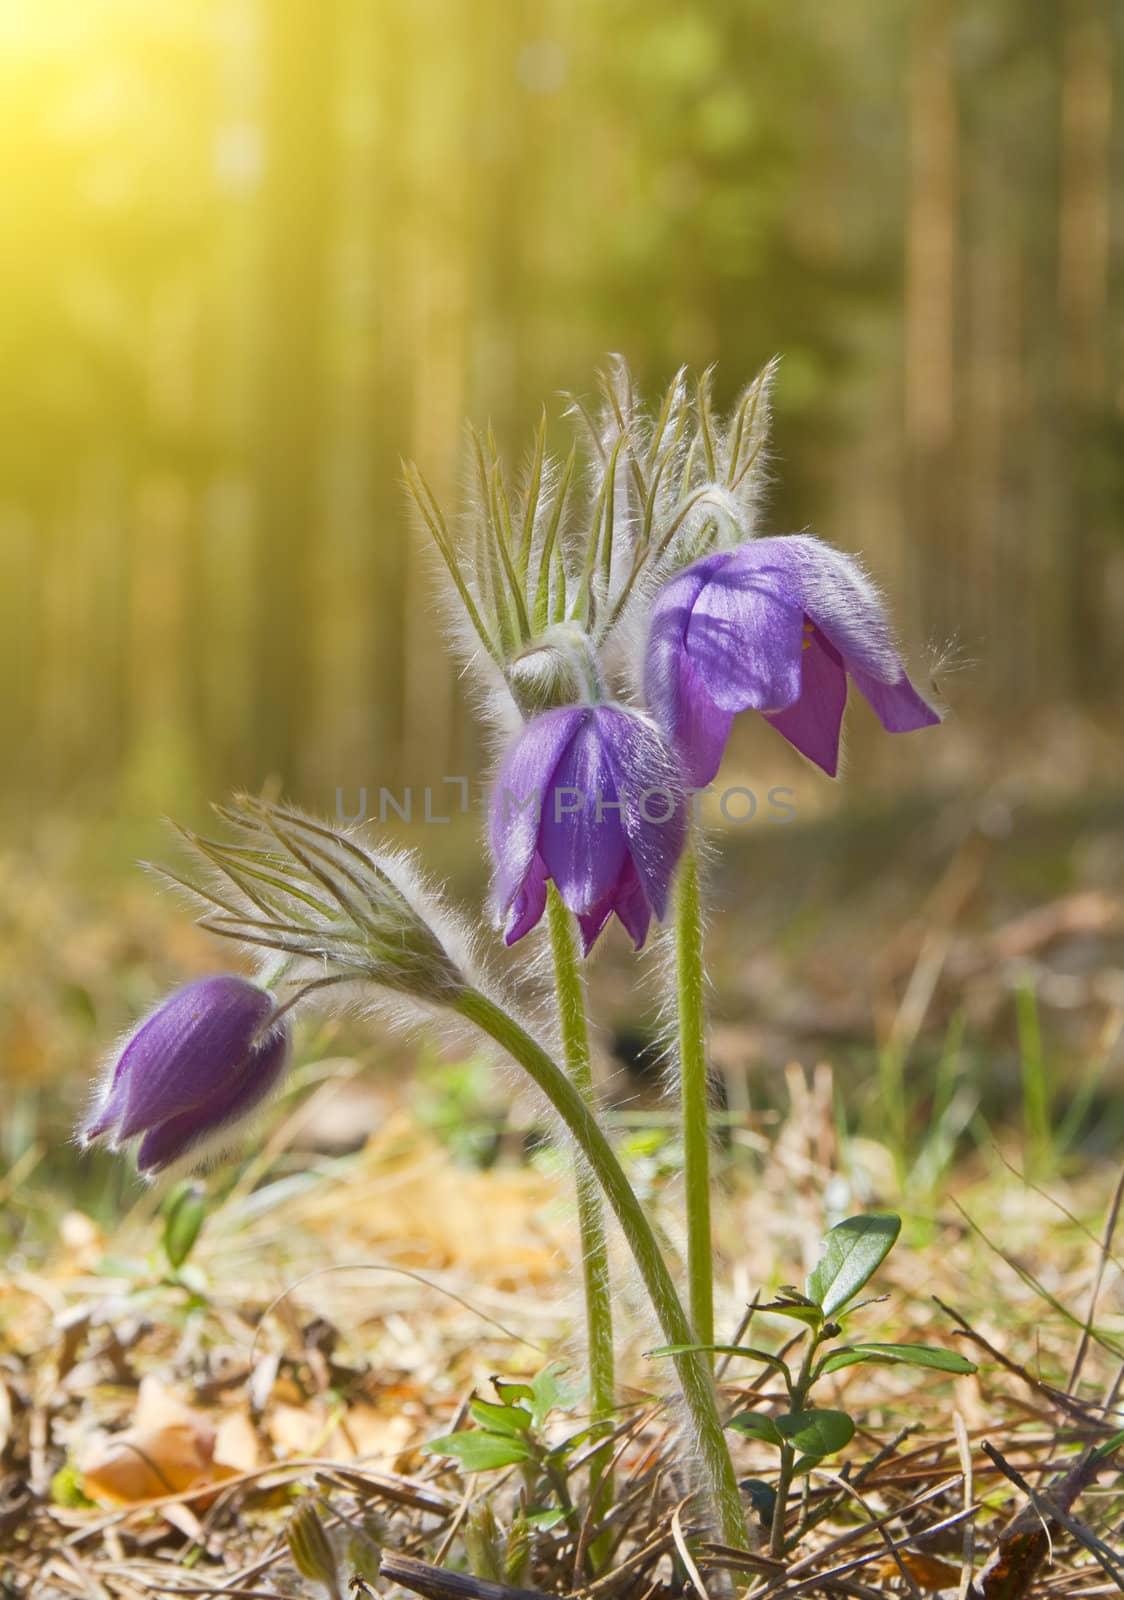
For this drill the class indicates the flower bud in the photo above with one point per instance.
(203, 1060)
(559, 668)
(341, 913)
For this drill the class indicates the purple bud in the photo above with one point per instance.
(201, 1061)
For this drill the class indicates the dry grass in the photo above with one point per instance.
(159, 1437)
(332, 1320)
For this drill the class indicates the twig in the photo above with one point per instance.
(969, 1551)
(1095, 1294)
(1024, 1543)
(437, 1583)
(1057, 1397)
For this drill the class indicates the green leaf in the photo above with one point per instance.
(545, 1520)
(810, 1316)
(909, 1355)
(1110, 1448)
(853, 1252)
(508, 1420)
(481, 1452)
(549, 1393)
(789, 1292)
(66, 1488)
(745, 1350)
(184, 1212)
(510, 1391)
(763, 1499)
(847, 1357)
(755, 1425)
(816, 1433)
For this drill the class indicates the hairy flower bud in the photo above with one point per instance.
(339, 911)
(203, 1060)
(559, 668)
(582, 544)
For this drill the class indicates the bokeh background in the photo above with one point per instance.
(255, 252)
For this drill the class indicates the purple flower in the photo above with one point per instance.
(591, 797)
(202, 1060)
(776, 625)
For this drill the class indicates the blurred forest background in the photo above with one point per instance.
(257, 251)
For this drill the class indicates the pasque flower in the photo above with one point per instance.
(205, 1058)
(776, 625)
(591, 798)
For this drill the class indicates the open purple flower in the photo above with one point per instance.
(776, 625)
(591, 798)
(202, 1060)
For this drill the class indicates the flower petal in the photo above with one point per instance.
(187, 1053)
(898, 706)
(676, 695)
(745, 633)
(632, 907)
(813, 723)
(629, 902)
(529, 903)
(170, 1140)
(519, 796)
(582, 839)
(590, 924)
(650, 783)
(109, 1110)
(700, 730)
(842, 601)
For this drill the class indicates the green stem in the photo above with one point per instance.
(570, 990)
(699, 1398)
(797, 1401)
(694, 1095)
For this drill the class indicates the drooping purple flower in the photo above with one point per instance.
(777, 625)
(591, 798)
(204, 1058)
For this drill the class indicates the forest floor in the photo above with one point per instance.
(252, 1421)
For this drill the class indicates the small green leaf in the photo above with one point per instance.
(508, 1420)
(816, 1433)
(481, 1452)
(1110, 1448)
(311, 1548)
(789, 1291)
(755, 1425)
(847, 1357)
(549, 1393)
(184, 1212)
(66, 1488)
(546, 1520)
(804, 1464)
(909, 1355)
(745, 1350)
(763, 1499)
(810, 1316)
(853, 1252)
(510, 1392)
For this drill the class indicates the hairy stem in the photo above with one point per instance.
(692, 1368)
(694, 1095)
(569, 986)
